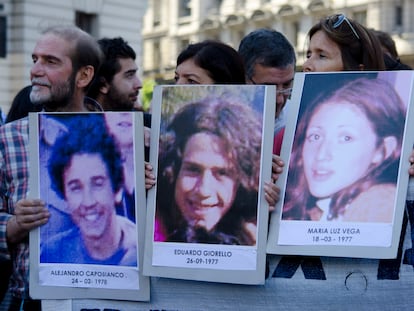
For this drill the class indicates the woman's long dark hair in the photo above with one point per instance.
(383, 107)
(365, 50)
(223, 63)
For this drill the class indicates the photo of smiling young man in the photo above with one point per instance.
(207, 216)
(86, 170)
(208, 180)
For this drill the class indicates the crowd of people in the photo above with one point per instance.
(73, 72)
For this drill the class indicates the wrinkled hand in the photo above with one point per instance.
(149, 176)
(411, 169)
(277, 167)
(272, 194)
(31, 213)
(28, 215)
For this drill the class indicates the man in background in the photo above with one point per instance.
(270, 59)
(116, 85)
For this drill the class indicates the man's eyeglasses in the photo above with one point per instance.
(284, 92)
(337, 21)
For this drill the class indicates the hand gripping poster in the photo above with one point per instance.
(211, 151)
(346, 147)
(88, 168)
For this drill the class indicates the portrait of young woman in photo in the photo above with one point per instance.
(346, 154)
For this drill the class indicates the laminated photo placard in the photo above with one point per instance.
(346, 147)
(211, 149)
(88, 168)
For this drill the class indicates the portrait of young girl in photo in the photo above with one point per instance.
(345, 155)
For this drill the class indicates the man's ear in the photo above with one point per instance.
(84, 76)
(104, 88)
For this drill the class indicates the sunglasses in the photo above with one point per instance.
(337, 20)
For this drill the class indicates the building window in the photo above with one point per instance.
(360, 17)
(157, 56)
(295, 33)
(183, 44)
(398, 16)
(184, 8)
(157, 13)
(3, 37)
(240, 4)
(87, 22)
(215, 6)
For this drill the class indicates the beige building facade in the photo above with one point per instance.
(22, 21)
(169, 25)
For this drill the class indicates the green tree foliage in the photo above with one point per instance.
(146, 93)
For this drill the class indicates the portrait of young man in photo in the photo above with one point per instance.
(209, 166)
(86, 171)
